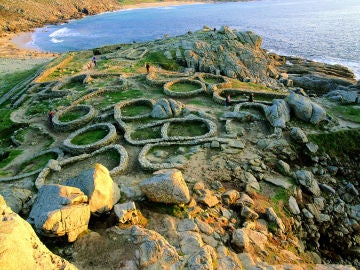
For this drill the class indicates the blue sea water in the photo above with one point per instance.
(322, 30)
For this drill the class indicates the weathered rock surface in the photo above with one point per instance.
(60, 210)
(98, 185)
(299, 135)
(305, 109)
(271, 215)
(20, 247)
(307, 180)
(315, 76)
(16, 198)
(278, 113)
(154, 251)
(167, 186)
(126, 212)
(166, 108)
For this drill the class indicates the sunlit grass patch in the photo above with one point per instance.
(188, 128)
(89, 137)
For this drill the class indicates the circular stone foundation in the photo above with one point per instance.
(109, 138)
(119, 109)
(86, 112)
(214, 82)
(184, 88)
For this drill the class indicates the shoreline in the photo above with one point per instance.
(14, 45)
(18, 45)
(16, 55)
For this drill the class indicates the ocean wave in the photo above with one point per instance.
(64, 32)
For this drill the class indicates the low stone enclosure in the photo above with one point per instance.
(110, 137)
(239, 95)
(54, 151)
(117, 170)
(155, 132)
(88, 113)
(199, 88)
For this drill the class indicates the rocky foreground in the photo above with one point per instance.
(176, 180)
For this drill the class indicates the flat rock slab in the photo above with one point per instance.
(279, 181)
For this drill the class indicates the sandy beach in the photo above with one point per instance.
(16, 55)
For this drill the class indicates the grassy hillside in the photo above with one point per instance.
(19, 15)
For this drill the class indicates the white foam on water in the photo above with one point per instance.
(55, 40)
(63, 32)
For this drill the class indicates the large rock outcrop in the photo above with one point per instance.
(98, 185)
(230, 53)
(278, 113)
(305, 109)
(166, 108)
(168, 186)
(20, 247)
(60, 210)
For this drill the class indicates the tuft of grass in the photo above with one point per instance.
(190, 128)
(183, 87)
(89, 137)
(36, 163)
(333, 143)
(176, 210)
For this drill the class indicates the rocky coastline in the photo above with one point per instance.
(173, 179)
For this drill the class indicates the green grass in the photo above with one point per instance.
(159, 59)
(89, 137)
(43, 107)
(349, 112)
(184, 87)
(176, 210)
(333, 143)
(71, 115)
(111, 98)
(134, 110)
(7, 127)
(146, 133)
(201, 101)
(249, 86)
(8, 81)
(112, 154)
(12, 155)
(77, 85)
(20, 136)
(188, 128)
(212, 80)
(74, 66)
(36, 163)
